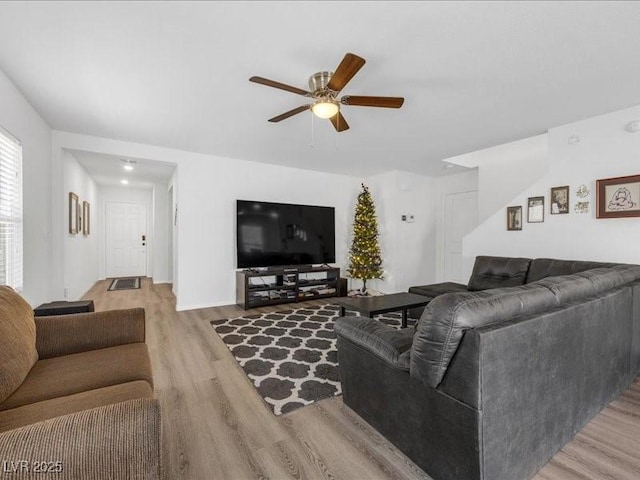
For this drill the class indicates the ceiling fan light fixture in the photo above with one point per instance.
(325, 108)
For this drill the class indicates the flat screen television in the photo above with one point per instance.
(282, 234)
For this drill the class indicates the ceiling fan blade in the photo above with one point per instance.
(362, 101)
(339, 123)
(290, 113)
(281, 86)
(346, 70)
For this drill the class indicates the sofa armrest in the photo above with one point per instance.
(67, 334)
(115, 442)
(387, 343)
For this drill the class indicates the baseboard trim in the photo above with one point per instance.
(161, 281)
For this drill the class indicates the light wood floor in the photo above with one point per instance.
(216, 426)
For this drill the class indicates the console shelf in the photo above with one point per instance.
(285, 285)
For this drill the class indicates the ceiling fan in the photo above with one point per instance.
(324, 88)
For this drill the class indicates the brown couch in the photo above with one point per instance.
(76, 391)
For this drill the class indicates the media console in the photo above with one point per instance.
(273, 286)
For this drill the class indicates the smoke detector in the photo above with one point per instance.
(633, 127)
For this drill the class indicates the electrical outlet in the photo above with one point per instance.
(411, 218)
(404, 218)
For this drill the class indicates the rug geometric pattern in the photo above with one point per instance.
(290, 356)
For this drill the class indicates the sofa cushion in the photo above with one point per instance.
(120, 441)
(569, 288)
(385, 342)
(611, 277)
(79, 372)
(432, 291)
(39, 411)
(446, 318)
(17, 341)
(549, 267)
(498, 272)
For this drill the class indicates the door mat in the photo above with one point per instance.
(128, 283)
(290, 356)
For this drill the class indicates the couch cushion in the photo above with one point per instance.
(498, 272)
(446, 318)
(550, 267)
(569, 288)
(385, 342)
(17, 341)
(70, 374)
(120, 441)
(39, 411)
(432, 291)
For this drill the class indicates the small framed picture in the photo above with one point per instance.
(559, 200)
(86, 218)
(74, 214)
(514, 218)
(618, 197)
(535, 210)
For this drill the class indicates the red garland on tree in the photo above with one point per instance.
(365, 261)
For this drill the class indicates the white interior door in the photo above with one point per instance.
(126, 240)
(460, 217)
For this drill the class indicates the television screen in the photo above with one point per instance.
(277, 234)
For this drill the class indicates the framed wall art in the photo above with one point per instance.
(618, 197)
(74, 214)
(535, 210)
(86, 218)
(559, 200)
(514, 218)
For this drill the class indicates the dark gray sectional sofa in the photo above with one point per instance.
(492, 382)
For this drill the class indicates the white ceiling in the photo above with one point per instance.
(109, 170)
(175, 74)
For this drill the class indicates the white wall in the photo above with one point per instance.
(173, 231)
(160, 238)
(124, 195)
(80, 251)
(605, 150)
(505, 171)
(205, 190)
(23, 122)
(408, 249)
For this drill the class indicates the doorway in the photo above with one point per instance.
(460, 218)
(125, 239)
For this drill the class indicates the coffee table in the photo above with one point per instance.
(370, 306)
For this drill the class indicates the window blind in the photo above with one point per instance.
(10, 211)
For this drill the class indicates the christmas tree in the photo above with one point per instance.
(365, 261)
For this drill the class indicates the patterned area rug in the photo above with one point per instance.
(290, 356)
(127, 283)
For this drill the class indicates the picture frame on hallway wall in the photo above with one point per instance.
(514, 218)
(618, 197)
(74, 214)
(535, 210)
(559, 200)
(86, 218)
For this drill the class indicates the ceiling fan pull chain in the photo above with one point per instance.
(312, 138)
